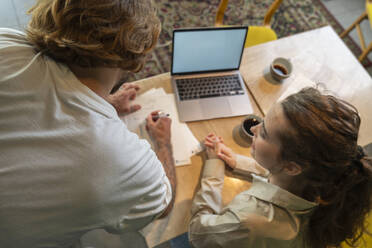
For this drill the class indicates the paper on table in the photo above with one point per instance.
(180, 144)
(184, 143)
(190, 139)
(146, 100)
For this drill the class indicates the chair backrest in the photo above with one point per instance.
(365, 15)
(266, 22)
(366, 239)
(369, 11)
(274, 6)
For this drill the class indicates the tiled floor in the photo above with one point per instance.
(346, 12)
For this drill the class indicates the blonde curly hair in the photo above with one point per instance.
(95, 33)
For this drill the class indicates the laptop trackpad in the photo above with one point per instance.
(216, 107)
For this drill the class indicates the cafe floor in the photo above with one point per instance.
(346, 12)
(13, 14)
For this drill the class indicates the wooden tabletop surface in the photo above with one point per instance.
(319, 55)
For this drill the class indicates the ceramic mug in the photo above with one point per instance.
(242, 133)
(281, 68)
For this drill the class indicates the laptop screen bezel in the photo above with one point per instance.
(206, 29)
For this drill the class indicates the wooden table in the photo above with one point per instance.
(320, 55)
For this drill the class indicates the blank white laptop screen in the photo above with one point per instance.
(207, 50)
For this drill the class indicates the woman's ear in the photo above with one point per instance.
(292, 169)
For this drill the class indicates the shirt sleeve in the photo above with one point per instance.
(132, 184)
(150, 204)
(246, 166)
(207, 216)
(143, 213)
(243, 221)
(208, 199)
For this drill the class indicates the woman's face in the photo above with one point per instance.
(266, 146)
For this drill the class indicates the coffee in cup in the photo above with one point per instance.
(280, 68)
(242, 133)
(248, 123)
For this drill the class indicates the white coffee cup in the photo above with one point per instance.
(281, 68)
(242, 133)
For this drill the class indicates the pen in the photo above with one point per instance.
(159, 115)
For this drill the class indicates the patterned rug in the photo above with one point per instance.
(293, 16)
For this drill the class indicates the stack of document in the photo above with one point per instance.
(184, 143)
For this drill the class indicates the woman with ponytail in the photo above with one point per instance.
(318, 188)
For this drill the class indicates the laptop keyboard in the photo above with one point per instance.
(196, 88)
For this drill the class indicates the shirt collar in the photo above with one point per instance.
(280, 197)
(84, 93)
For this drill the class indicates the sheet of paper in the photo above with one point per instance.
(184, 143)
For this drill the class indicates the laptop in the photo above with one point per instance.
(205, 73)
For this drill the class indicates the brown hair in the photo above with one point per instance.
(95, 33)
(336, 172)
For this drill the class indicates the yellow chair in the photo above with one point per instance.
(369, 11)
(366, 15)
(256, 34)
(366, 240)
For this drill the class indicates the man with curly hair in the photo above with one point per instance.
(68, 164)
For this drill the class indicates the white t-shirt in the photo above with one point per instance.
(68, 164)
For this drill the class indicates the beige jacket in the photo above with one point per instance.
(263, 216)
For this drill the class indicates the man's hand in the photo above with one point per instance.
(159, 129)
(121, 99)
(217, 148)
